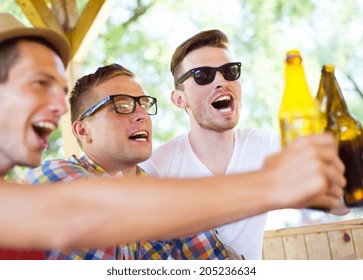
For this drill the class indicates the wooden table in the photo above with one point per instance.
(331, 241)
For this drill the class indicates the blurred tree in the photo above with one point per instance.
(143, 34)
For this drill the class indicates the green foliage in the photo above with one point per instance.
(9, 6)
(142, 36)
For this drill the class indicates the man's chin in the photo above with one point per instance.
(32, 161)
(142, 158)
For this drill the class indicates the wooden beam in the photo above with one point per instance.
(89, 24)
(39, 14)
(66, 12)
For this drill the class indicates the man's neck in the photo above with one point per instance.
(126, 171)
(115, 169)
(213, 148)
(4, 167)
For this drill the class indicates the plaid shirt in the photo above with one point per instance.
(203, 246)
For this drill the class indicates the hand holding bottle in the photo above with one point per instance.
(336, 118)
(309, 173)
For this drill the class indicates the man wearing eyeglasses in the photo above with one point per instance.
(115, 134)
(110, 116)
(207, 87)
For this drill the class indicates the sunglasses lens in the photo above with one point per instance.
(204, 76)
(231, 72)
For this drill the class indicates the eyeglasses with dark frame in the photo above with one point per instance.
(125, 104)
(205, 75)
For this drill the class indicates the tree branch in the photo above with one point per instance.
(137, 12)
(355, 85)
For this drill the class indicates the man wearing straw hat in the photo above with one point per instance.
(33, 89)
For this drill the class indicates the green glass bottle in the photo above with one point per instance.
(298, 113)
(337, 119)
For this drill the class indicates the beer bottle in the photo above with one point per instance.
(299, 113)
(350, 134)
(327, 120)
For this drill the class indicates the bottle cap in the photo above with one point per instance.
(329, 68)
(293, 57)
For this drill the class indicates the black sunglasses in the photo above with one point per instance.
(125, 104)
(205, 75)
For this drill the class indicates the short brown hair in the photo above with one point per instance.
(210, 38)
(81, 97)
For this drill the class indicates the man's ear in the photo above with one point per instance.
(178, 98)
(81, 131)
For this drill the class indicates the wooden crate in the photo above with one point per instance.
(332, 241)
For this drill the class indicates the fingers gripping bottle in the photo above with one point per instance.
(337, 119)
(299, 113)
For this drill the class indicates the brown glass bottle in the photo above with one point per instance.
(336, 118)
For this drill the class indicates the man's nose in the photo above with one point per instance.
(59, 104)
(139, 114)
(219, 80)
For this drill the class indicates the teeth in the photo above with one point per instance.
(140, 133)
(223, 103)
(226, 109)
(46, 125)
(223, 98)
(139, 136)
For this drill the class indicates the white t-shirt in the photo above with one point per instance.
(177, 159)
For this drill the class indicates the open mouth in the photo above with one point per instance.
(140, 136)
(223, 103)
(43, 129)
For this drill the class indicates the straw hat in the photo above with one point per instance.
(11, 28)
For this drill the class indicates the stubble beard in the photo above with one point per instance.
(215, 124)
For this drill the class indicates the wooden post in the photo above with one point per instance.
(70, 145)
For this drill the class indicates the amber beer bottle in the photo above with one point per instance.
(299, 113)
(349, 132)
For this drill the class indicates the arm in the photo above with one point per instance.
(102, 211)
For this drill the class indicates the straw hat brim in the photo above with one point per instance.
(59, 43)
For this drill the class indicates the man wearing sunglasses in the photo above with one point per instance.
(207, 87)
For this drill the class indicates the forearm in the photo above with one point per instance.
(127, 209)
(172, 208)
(97, 212)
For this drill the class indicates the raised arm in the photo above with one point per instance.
(96, 212)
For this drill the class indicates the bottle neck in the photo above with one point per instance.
(338, 97)
(293, 72)
(295, 81)
(329, 94)
(326, 90)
